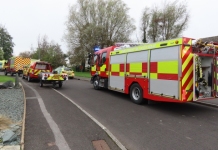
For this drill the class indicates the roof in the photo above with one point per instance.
(209, 39)
(42, 62)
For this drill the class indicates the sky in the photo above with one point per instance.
(27, 20)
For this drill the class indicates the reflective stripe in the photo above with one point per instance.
(153, 75)
(103, 67)
(135, 67)
(173, 42)
(115, 67)
(93, 68)
(170, 67)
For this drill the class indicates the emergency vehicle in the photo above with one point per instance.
(15, 65)
(174, 70)
(33, 70)
(42, 71)
(2, 65)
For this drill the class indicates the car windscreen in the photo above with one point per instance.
(67, 69)
(41, 66)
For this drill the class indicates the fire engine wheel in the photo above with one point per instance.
(96, 83)
(41, 83)
(136, 93)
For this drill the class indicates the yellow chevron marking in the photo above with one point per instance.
(187, 75)
(189, 84)
(190, 97)
(188, 59)
(186, 48)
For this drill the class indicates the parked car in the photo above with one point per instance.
(65, 70)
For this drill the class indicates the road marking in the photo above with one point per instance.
(59, 138)
(121, 146)
(31, 97)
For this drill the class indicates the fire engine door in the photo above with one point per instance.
(116, 74)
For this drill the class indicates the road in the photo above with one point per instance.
(162, 126)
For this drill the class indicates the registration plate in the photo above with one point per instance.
(55, 77)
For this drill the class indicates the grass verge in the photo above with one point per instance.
(83, 74)
(6, 78)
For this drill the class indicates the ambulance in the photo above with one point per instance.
(15, 65)
(177, 70)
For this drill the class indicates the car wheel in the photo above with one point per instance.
(28, 78)
(60, 84)
(41, 83)
(53, 85)
(136, 93)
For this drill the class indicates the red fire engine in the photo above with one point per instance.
(176, 70)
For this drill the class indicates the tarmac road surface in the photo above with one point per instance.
(53, 122)
(162, 126)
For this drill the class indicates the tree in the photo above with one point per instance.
(6, 42)
(166, 22)
(1, 54)
(145, 23)
(50, 52)
(26, 54)
(97, 22)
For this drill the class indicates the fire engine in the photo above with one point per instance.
(177, 70)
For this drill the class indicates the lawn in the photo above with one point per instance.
(82, 74)
(6, 78)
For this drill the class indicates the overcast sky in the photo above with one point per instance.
(26, 20)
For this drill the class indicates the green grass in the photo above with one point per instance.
(6, 78)
(82, 74)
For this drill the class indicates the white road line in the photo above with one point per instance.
(31, 97)
(59, 138)
(121, 146)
